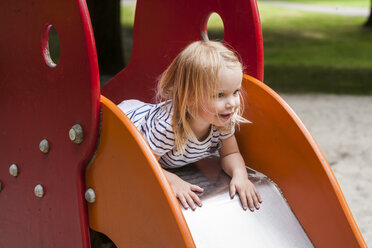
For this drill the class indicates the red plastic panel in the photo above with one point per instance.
(38, 101)
(162, 28)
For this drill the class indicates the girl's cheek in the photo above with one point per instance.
(221, 106)
(237, 103)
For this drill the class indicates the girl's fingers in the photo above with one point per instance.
(255, 200)
(232, 190)
(243, 200)
(258, 195)
(250, 202)
(196, 199)
(182, 199)
(196, 188)
(190, 201)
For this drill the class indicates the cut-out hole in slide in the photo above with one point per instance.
(212, 28)
(50, 46)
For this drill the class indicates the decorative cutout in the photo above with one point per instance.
(213, 28)
(50, 46)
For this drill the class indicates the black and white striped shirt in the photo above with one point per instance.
(154, 121)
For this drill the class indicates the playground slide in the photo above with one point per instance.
(221, 222)
(135, 205)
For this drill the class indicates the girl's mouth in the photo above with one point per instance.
(225, 116)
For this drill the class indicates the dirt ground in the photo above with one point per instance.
(342, 127)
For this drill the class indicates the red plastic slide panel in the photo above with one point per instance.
(41, 99)
(278, 145)
(162, 28)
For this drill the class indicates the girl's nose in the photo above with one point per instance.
(231, 103)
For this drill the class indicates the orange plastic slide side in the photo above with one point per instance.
(135, 206)
(278, 145)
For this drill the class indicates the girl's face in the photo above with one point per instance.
(227, 100)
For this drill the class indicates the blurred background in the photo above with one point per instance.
(318, 57)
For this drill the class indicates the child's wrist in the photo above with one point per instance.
(239, 173)
(171, 177)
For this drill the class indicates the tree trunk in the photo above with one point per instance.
(105, 17)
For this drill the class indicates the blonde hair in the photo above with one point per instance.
(191, 80)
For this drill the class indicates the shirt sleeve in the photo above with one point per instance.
(158, 133)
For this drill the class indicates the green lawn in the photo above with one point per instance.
(312, 52)
(127, 15)
(307, 51)
(344, 3)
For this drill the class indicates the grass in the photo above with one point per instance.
(127, 16)
(313, 52)
(344, 3)
(128, 12)
(306, 51)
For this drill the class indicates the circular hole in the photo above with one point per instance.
(51, 46)
(98, 239)
(214, 29)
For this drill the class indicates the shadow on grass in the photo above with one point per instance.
(316, 79)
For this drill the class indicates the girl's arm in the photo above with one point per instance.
(233, 164)
(184, 191)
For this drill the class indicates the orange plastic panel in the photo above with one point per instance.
(135, 205)
(279, 145)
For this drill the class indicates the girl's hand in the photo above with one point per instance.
(185, 192)
(233, 164)
(248, 193)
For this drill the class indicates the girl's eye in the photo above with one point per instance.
(236, 92)
(220, 95)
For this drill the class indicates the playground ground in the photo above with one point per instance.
(341, 125)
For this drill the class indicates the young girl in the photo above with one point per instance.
(201, 104)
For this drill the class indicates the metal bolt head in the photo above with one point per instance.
(76, 134)
(13, 170)
(39, 190)
(90, 195)
(44, 146)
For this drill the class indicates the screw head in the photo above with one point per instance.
(76, 134)
(44, 146)
(13, 170)
(39, 190)
(90, 195)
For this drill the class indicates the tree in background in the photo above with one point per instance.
(105, 17)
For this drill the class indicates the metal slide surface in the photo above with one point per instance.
(222, 222)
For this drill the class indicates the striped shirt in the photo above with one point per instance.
(154, 121)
